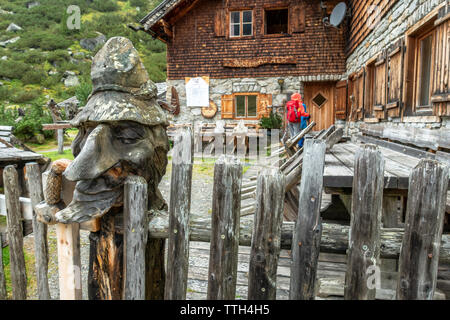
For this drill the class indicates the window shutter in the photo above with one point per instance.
(220, 23)
(297, 18)
(395, 60)
(379, 98)
(341, 100)
(264, 101)
(359, 95)
(227, 106)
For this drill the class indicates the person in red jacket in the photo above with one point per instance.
(295, 112)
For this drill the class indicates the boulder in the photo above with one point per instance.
(92, 43)
(70, 107)
(5, 12)
(1, 83)
(10, 41)
(4, 58)
(71, 81)
(32, 4)
(13, 28)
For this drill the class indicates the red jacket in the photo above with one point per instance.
(300, 110)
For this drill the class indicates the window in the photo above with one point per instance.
(276, 21)
(246, 106)
(241, 23)
(424, 74)
(319, 100)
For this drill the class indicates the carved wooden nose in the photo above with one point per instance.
(96, 157)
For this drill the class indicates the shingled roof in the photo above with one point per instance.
(159, 12)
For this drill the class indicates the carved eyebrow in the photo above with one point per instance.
(130, 132)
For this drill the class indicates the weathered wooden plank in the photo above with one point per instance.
(266, 240)
(364, 238)
(334, 236)
(135, 237)
(69, 262)
(34, 180)
(15, 234)
(303, 133)
(179, 210)
(3, 292)
(225, 229)
(56, 126)
(425, 211)
(307, 233)
(60, 135)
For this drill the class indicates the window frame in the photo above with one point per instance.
(418, 70)
(246, 95)
(241, 23)
(264, 29)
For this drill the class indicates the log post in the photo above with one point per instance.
(308, 229)
(266, 239)
(34, 180)
(425, 210)
(15, 234)
(3, 293)
(60, 141)
(179, 210)
(226, 205)
(365, 224)
(135, 237)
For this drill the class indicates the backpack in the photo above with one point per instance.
(292, 114)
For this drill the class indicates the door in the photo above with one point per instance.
(319, 100)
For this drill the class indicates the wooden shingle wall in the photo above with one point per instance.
(201, 46)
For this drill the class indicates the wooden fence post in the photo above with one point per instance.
(266, 237)
(308, 229)
(135, 237)
(226, 205)
(60, 141)
(364, 239)
(425, 210)
(15, 234)
(179, 210)
(34, 180)
(3, 293)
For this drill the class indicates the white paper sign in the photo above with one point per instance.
(197, 93)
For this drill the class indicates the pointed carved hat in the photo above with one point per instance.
(122, 89)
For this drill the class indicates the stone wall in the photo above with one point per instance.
(404, 15)
(219, 87)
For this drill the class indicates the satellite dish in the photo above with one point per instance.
(338, 14)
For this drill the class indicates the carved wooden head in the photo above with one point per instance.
(122, 132)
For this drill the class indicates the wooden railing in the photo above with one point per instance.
(365, 239)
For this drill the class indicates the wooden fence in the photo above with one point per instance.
(418, 246)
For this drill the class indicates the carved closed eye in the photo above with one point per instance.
(129, 135)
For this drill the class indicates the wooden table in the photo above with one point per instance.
(338, 176)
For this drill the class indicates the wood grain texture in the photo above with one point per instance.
(364, 239)
(226, 207)
(266, 239)
(334, 236)
(34, 180)
(425, 210)
(179, 211)
(308, 230)
(69, 261)
(135, 237)
(3, 292)
(15, 234)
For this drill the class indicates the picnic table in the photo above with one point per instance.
(338, 177)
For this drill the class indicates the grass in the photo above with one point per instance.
(54, 155)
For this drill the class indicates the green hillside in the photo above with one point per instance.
(32, 69)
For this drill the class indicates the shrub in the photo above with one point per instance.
(13, 69)
(105, 5)
(41, 39)
(31, 123)
(36, 76)
(25, 95)
(82, 92)
(274, 121)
